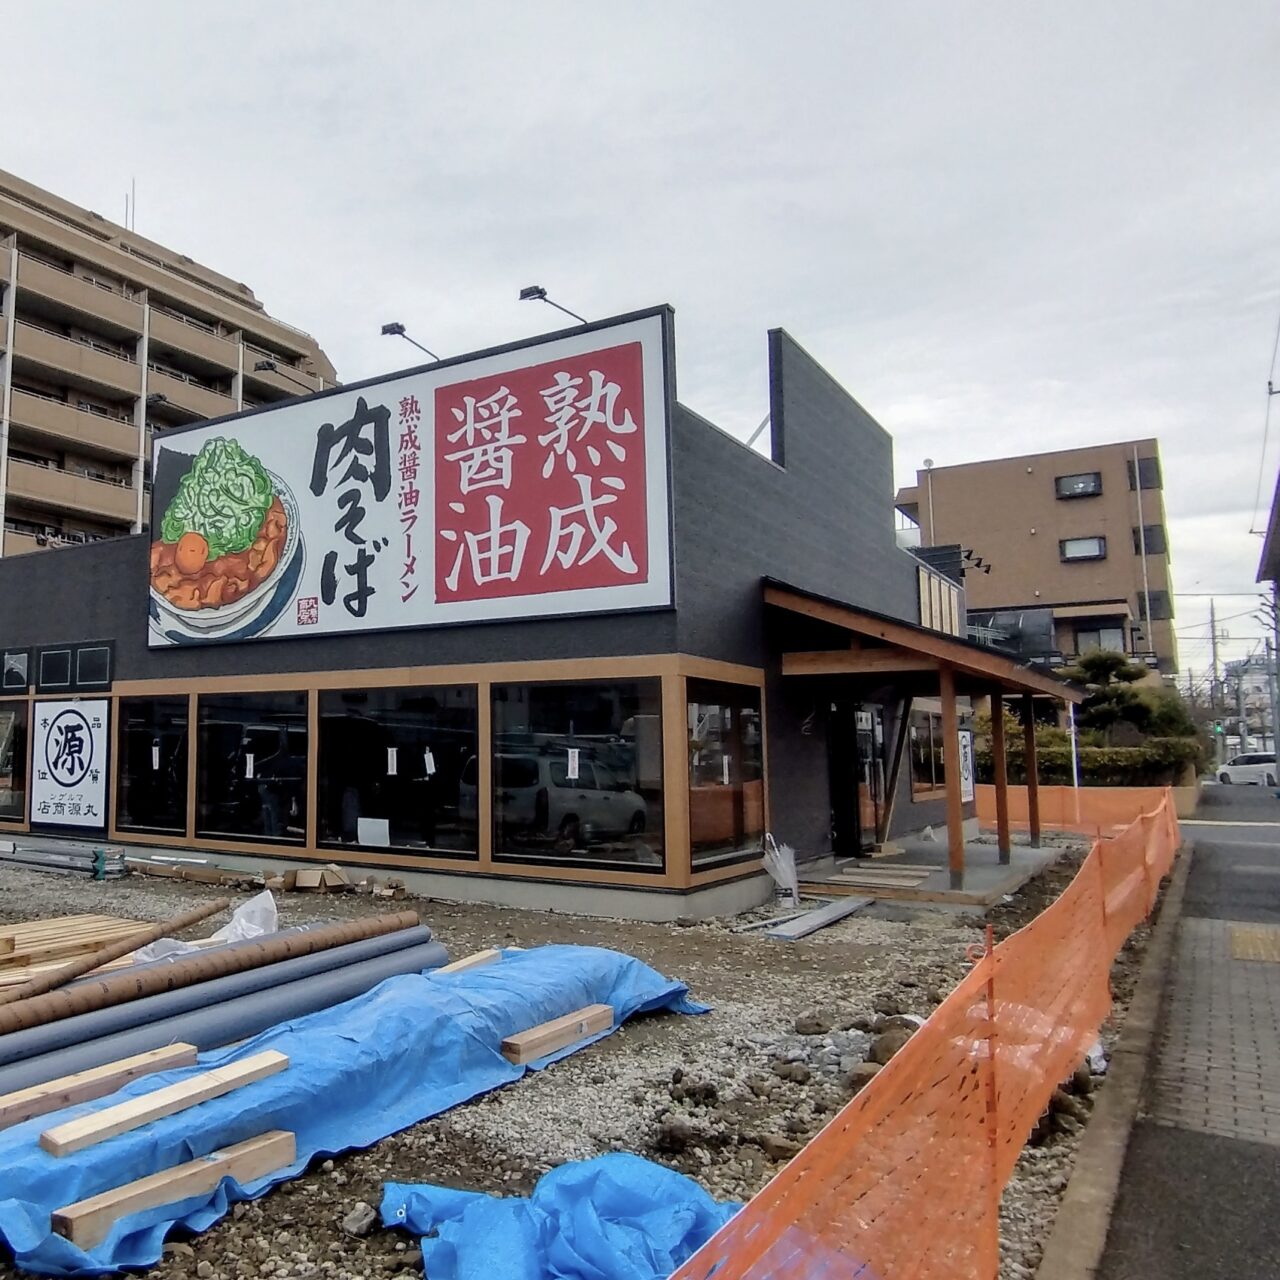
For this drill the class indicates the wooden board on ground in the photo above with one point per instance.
(819, 918)
(88, 1222)
(228, 877)
(46, 940)
(75, 1135)
(559, 1033)
(473, 961)
(84, 1086)
(871, 878)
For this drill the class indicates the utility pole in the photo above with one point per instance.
(1271, 691)
(1215, 687)
(1240, 711)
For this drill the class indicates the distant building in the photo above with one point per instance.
(105, 336)
(1072, 547)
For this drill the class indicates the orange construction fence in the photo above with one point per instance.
(906, 1181)
(1087, 809)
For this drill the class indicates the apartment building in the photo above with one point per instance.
(105, 338)
(1074, 539)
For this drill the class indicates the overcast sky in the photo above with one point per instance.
(1004, 227)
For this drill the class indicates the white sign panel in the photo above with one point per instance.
(69, 764)
(966, 765)
(518, 484)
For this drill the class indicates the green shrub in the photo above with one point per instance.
(1158, 762)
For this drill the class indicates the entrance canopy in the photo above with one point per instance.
(820, 636)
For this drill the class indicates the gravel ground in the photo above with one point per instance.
(726, 1098)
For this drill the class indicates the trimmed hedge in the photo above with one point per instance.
(1159, 762)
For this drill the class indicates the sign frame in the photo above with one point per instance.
(37, 750)
(499, 610)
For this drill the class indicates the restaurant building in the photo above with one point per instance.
(518, 626)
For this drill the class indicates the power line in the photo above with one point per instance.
(1266, 427)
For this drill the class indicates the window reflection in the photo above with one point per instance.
(577, 772)
(928, 763)
(726, 770)
(251, 774)
(13, 760)
(152, 746)
(392, 764)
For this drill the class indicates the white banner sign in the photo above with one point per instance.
(69, 764)
(518, 484)
(966, 766)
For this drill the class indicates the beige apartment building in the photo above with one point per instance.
(105, 338)
(1078, 532)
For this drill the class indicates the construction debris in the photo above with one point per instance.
(98, 862)
(819, 918)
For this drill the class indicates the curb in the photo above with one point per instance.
(1075, 1246)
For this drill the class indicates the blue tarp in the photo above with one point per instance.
(412, 1047)
(617, 1217)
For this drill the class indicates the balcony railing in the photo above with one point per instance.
(79, 406)
(170, 372)
(189, 320)
(101, 347)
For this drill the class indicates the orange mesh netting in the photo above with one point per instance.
(1087, 809)
(905, 1182)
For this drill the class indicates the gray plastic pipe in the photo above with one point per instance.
(227, 1020)
(61, 1035)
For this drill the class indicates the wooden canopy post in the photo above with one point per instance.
(951, 758)
(999, 768)
(1033, 769)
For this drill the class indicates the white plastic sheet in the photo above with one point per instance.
(250, 920)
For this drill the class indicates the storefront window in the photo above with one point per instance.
(577, 773)
(928, 771)
(152, 747)
(726, 770)
(392, 763)
(13, 760)
(251, 766)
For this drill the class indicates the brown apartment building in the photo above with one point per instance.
(1071, 548)
(106, 337)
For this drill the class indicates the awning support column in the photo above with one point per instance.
(1000, 770)
(951, 757)
(1033, 768)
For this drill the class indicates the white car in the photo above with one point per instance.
(1255, 767)
(536, 794)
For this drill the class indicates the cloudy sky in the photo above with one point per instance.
(1003, 226)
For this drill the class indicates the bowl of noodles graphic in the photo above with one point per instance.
(227, 539)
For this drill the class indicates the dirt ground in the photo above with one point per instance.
(726, 1097)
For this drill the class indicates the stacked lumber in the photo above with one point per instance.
(62, 938)
(227, 877)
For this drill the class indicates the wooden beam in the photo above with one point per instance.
(84, 1086)
(895, 766)
(1033, 768)
(838, 662)
(88, 1222)
(951, 755)
(1000, 768)
(75, 1135)
(559, 1033)
(964, 657)
(473, 961)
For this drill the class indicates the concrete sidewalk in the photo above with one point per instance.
(1201, 1178)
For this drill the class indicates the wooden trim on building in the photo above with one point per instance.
(675, 777)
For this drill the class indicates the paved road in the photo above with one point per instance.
(1200, 1191)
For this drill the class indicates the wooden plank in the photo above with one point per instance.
(833, 662)
(473, 961)
(819, 918)
(75, 1135)
(84, 1086)
(71, 947)
(88, 1222)
(559, 1033)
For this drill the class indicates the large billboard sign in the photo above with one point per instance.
(527, 482)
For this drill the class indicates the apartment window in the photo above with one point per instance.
(152, 753)
(1154, 538)
(1085, 484)
(1148, 471)
(13, 760)
(928, 762)
(251, 766)
(392, 768)
(1161, 605)
(1094, 548)
(1109, 638)
(577, 773)
(726, 770)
